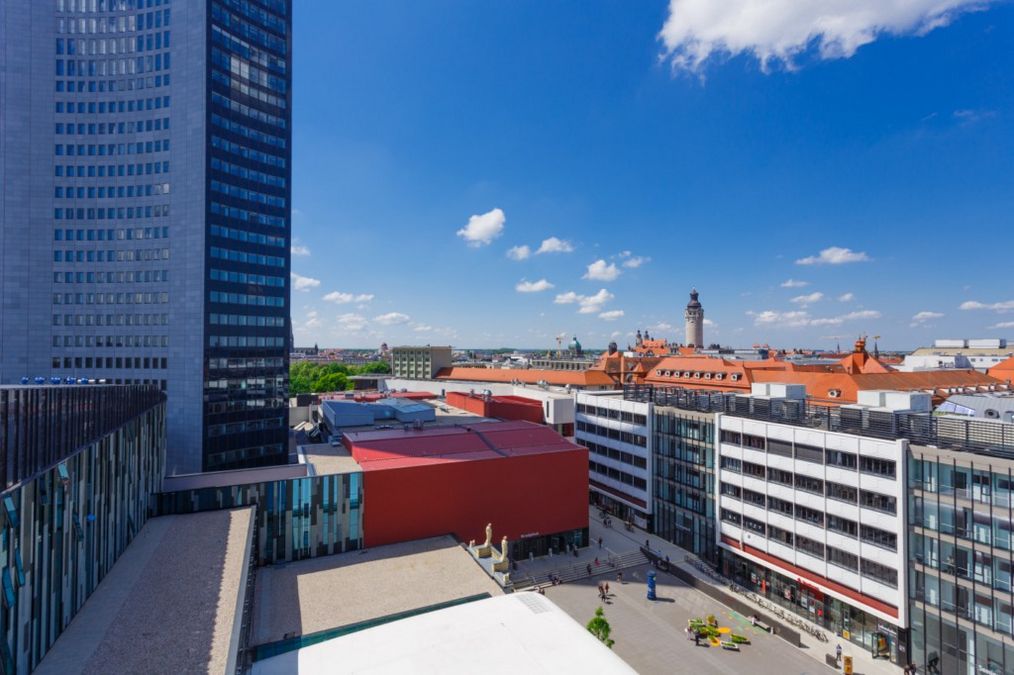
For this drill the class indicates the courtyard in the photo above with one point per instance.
(649, 634)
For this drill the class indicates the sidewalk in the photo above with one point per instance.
(621, 540)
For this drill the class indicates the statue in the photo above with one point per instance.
(486, 550)
(501, 563)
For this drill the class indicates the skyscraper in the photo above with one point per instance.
(695, 321)
(145, 209)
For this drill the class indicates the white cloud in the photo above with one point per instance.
(778, 31)
(804, 300)
(300, 249)
(846, 297)
(554, 245)
(710, 323)
(636, 261)
(589, 304)
(392, 319)
(483, 229)
(422, 328)
(611, 315)
(519, 252)
(794, 283)
(1005, 306)
(352, 323)
(922, 317)
(340, 298)
(312, 320)
(301, 283)
(524, 286)
(834, 255)
(1002, 324)
(801, 318)
(600, 270)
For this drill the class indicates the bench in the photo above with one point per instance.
(831, 661)
(760, 624)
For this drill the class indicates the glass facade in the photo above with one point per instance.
(147, 227)
(248, 231)
(297, 518)
(684, 476)
(962, 553)
(66, 520)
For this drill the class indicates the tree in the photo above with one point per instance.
(377, 367)
(330, 382)
(600, 628)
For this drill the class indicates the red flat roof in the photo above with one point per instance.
(397, 448)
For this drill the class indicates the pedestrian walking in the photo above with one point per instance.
(697, 639)
(619, 577)
(588, 567)
(600, 542)
(607, 588)
(837, 654)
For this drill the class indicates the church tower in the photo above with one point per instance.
(695, 321)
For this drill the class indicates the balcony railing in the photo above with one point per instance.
(980, 436)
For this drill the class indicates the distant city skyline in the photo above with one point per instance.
(490, 176)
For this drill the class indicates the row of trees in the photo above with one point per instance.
(306, 377)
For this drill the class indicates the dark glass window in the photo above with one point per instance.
(809, 453)
(779, 476)
(756, 470)
(730, 516)
(878, 537)
(754, 498)
(842, 558)
(780, 506)
(846, 460)
(754, 525)
(877, 572)
(877, 467)
(810, 515)
(814, 548)
(780, 535)
(731, 490)
(878, 502)
(756, 442)
(781, 448)
(842, 525)
(843, 493)
(809, 484)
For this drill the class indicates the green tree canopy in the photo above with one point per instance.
(600, 628)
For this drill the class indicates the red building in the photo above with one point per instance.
(501, 407)
(525, 479)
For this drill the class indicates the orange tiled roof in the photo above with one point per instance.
(578, 378)
(1003, 370)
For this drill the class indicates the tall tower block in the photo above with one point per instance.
(695, 321)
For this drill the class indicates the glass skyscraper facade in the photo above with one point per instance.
(684, 475)
(961, 602)
(145, 210)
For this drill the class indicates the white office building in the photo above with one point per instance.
(816, 519)
(617, 434)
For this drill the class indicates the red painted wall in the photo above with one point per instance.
(528, 410)
(530, 494)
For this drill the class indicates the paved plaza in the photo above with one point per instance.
(649, 634)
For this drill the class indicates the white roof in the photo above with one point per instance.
(505, 635)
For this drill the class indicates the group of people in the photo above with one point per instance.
(603, 589)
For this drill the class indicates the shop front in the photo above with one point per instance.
(879, 638)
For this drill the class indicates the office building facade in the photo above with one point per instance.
(145, 210)
(80, 466)
(617, 434)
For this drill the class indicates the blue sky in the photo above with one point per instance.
(718, 153)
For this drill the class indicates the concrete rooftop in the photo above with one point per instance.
(331, 591)
(170, 604)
